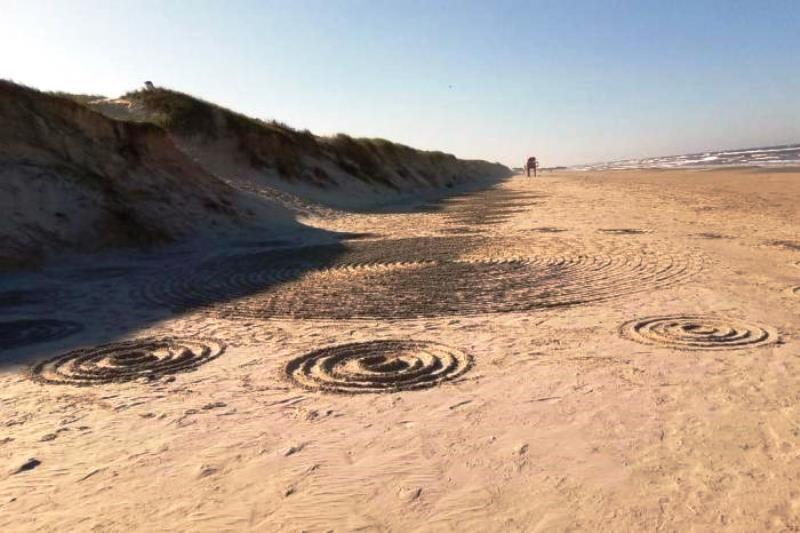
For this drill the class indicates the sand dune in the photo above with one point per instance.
(73, 180)
(279, 162)
(79, 175)
(612, 351)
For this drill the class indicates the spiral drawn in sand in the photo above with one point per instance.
(698, 333)
(232, 277)
(378, 366)
(469, 286)
(216, 281)
(148, 358)
(420, 277)
(366, 268)
(17, 333)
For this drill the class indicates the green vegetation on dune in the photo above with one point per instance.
(181, 112)
(159, 165)
(80, 98)
(269, 146)
(300, 155)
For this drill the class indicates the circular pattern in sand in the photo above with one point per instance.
(418, 277)
(18, 333)
(148, 358)
(229, 278)
(698, 333)
(463, 287)
(378, 366)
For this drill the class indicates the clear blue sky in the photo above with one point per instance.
(568, 81)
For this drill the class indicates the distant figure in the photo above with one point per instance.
(149, 85)
(532, 164)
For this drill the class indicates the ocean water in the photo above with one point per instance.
(769, 156)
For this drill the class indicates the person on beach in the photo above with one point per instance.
(532, 164)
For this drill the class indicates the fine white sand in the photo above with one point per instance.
(563, 421)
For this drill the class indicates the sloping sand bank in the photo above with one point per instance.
(75, 180)
(608, 351)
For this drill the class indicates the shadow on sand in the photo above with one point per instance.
(102, 298)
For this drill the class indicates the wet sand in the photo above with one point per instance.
(604, 350)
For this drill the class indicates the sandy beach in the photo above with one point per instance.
(610, 351)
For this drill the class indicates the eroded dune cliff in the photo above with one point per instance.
(80, 174)
(74, 180)
(339, 171)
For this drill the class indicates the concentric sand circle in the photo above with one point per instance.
(148, 358)
(698, 333)
(465, 287)
(419, 277)
(18, 333)
(230, 278)
(378, 366)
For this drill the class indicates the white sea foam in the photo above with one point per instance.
(771, 156)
